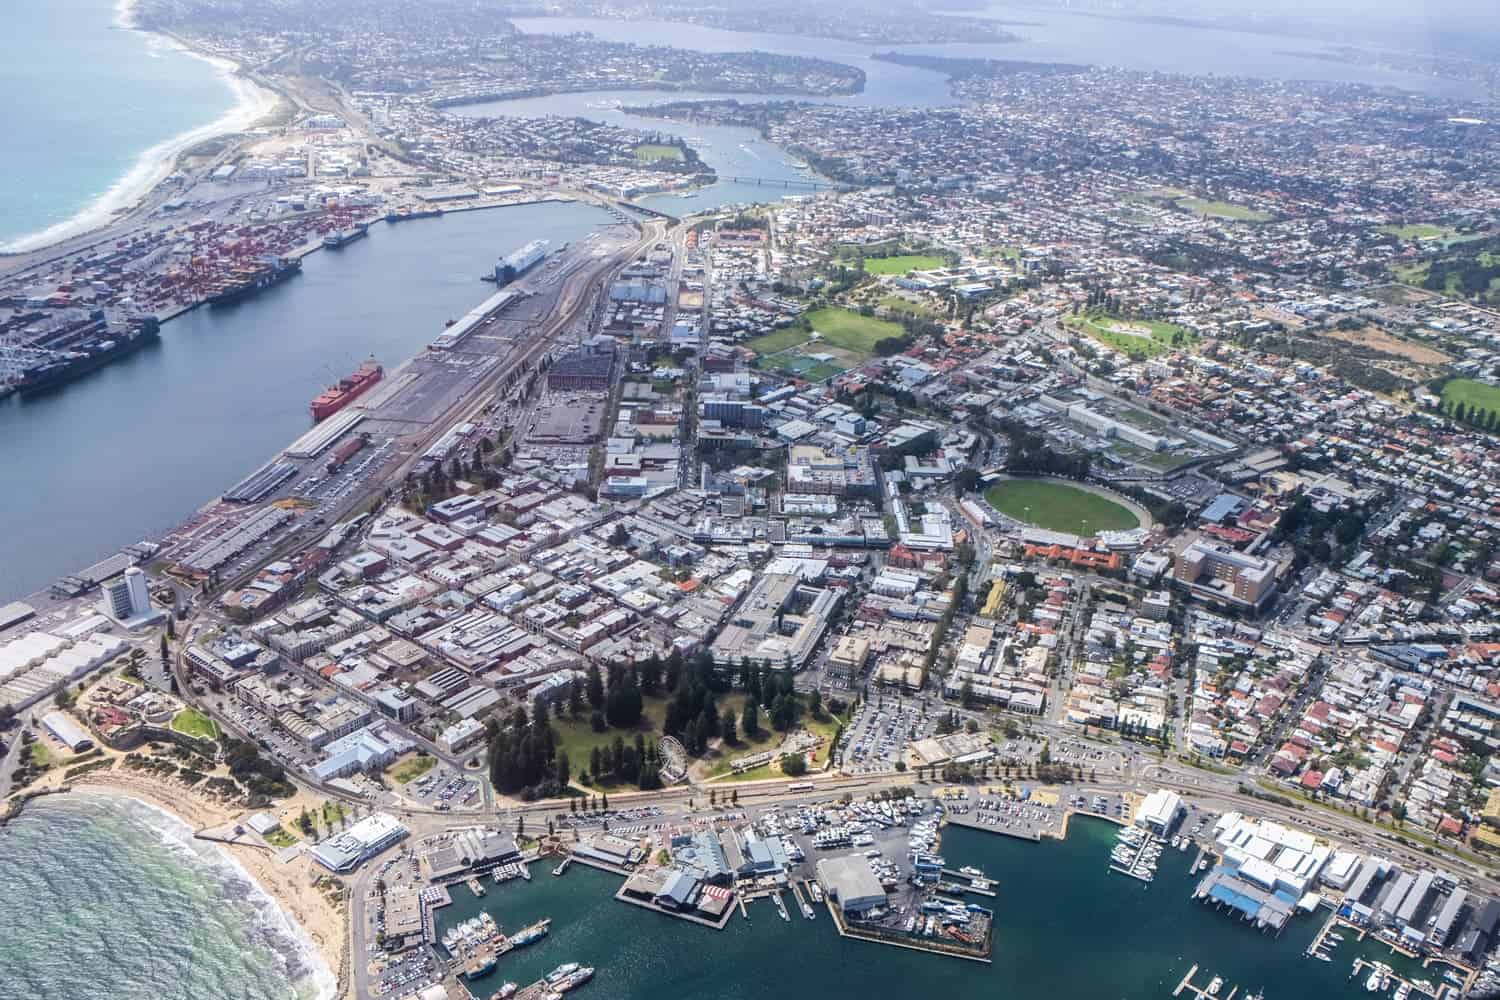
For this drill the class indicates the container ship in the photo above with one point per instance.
(87, 355)
(247, 281)
(336, 397)
(510, 268)
(343, 237)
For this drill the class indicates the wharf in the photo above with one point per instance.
(1034, 835)
(910, 944)
(717, 925)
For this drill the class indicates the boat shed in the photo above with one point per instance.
(851, 882)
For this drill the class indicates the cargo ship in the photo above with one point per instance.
(336, 397)
(81, 358)
(343, 237)
(248, 281)
(403, 214)
(511, 267)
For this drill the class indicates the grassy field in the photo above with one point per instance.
(191, 722)
(902, 304)
(773, 343)
(902, 264)
(851, 331)
(1223, 210)
(280, 838)
(411, 767)
(1417, 231)
(1136, 336)
(799, 365)
(1474, 395)
(650, 152)
(578, 739)
(1058, 507)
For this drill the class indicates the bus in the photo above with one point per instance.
(801, 786)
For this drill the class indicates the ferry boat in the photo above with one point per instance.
(971, 871)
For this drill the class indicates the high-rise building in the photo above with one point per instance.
(126, 596)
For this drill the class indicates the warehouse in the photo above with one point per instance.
(851, 883)
(67, 732)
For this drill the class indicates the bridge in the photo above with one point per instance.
(793, 182)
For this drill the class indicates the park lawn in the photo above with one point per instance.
(1417, 231)
(902, 304)
(902, 263)
(191, 722)
(40, 755)
(775, 343)
(1224, 210)
(1473, 395)
(851, 331)
(1057, 506)
(651, 152)
(798, 365)
(578, 739)
(1160, 339)
(280, 838)
(411, 767)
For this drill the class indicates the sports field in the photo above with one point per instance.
(902, 264)
(1223, 210)
(1417, 231)
(650, 152)
(1474, 395)
(1133, 336)
(1057, 506)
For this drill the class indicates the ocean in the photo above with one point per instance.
(90, 109)
(106, 898)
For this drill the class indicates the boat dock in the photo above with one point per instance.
(1213, 991)
(807, 911)
(971, 883)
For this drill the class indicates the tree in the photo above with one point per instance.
(563, 773)
(793, 765)
(731, 736)
(596, 763)
(750, 720)
(596, 721)
(575, 699)
(604, 802)
(595, 686)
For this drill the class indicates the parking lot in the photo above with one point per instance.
(875, 738)
(444, 789)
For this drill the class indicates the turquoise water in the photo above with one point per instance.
(84, 99)
(104, 898)
(1064, 928)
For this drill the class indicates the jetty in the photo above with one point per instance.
(1213, 991)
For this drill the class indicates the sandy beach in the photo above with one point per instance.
(289, 883)
(252, 103)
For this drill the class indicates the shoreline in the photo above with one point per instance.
(303, 913)
(250, 102)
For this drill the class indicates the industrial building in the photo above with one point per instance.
(850, 882)
(67, 732)
(1159, 812)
